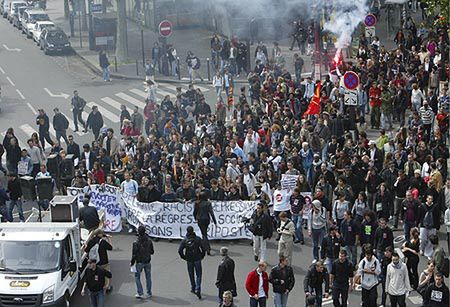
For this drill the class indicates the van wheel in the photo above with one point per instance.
(66, 302)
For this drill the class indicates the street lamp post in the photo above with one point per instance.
(142, 40)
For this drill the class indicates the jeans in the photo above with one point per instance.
(218, 91)
(97, 299)
(329, 263)
(386, 119)
(106, 75)
(259, 247)
(398, 210)
(375, 117)
(425, 245)
(45, 136)
(203, 225)
(195, 266)
(261, 302)
(61, 134)
(78, 118)
(397, 300)
(280, 299)
(297, 219)
(340, 293)
(11, 206)
(147, 268)
(317, 238)
(369, 297)
(173, 65)
(352, 254)
(407, 226)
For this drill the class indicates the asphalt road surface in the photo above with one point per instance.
(30, 81)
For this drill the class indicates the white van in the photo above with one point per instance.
(13, 5)
(29, 18)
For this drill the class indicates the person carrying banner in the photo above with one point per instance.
(203, 213)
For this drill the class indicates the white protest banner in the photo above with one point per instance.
(288, 182)
(106, 198)
(308, 204)
(170, 220)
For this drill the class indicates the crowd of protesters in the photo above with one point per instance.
(362, 189)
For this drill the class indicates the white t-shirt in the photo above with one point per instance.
(281, 200)
(261, 292)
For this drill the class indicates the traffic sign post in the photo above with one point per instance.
(165, 28)
(350, 98)
(351, 80)
(370, 20)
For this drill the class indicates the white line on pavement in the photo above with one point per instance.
(131, 100)
(10, 81)
(27, 129)
(20, 94)
(139, 92)
(1, 69)
(112, 117)
(31, 108)
(111, 102)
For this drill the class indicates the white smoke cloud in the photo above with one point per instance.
(346, 18)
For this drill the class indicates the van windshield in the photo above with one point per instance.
(39, 17)
(22, 256)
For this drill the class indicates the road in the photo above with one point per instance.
(30, 81)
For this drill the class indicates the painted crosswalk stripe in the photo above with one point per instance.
(109, 115)
(202, 88)
(164, 93)
(72, 124)
(131, 100)
(138, 92)
(111, 102)
(28, 130)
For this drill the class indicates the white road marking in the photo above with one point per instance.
(139, 92)
(164, 93)
(105, 113)
(111, 102)
(1, 70)
(131, 100)
(27, 129)
(10, 81)
(20, 94)
(416, 300)
(31, 108)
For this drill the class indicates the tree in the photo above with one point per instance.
(438, 7)
(121, 43)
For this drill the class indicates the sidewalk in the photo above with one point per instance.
(195, 40)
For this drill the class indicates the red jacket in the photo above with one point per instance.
(375, 97)
(252, 283)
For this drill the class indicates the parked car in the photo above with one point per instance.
(29, 18)
(17, 17)
(39, 26)
(54, 40)
(12, 8)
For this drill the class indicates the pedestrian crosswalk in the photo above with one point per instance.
(109, 106)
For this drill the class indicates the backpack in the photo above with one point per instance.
(93, 252)
(428, 220)
(197, 63)
(190, 247)
(445, 266)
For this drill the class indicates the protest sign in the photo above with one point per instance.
(288, 182)
(106, 198)
(170, 220)
(308, 204)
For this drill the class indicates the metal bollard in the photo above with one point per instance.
(115, 63)
(179, 68)
(137, 68)
(209, 69)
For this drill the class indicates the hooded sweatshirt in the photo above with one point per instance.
(397, 279)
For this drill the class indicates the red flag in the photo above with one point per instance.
(314, 104)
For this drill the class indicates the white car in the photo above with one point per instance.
(39, 26)
(13, 7)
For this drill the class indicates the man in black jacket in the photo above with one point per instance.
(13, 154)
(192, 251)
(15, 195)
(282, 279)
(43, 122)
(429, 223)
(225, 275)
(60, 124)
(384, 237)
(78, 105)
(312, 284)
(262, 228)
(341, 278)
(331, 245)
(73, 148)
(95, 122)
(141, 256)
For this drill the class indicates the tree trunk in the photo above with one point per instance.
(121, 43)
(66, 9)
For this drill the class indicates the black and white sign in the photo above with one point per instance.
(350, 98)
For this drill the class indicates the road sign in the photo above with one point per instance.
(370, 32)
(351, 80)
(350, 98)
(165, 28)
(96, 7)
(370, 20)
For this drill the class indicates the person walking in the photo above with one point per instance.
(369, 269)
(261, 227)
(96, 281)
(283, 280)
(141, 256)
(78, 105)
(316, 276)
(350, 234)
(428, 221)
(94, 122)
(341, 276)
(397, 282)
(203, 213)
(225, 281)
(331, 245)
(43, 122)
(97, 248)
(297, 202)
(15, 196)
(218, 84)
(104, 65)
(411, 250)
(192, 251)
(287, 234)
(437, 294)
(60, 124)
(257, 285)
(317, 225)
